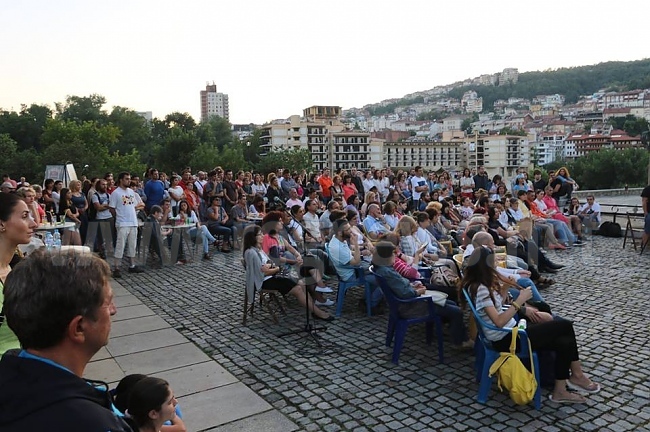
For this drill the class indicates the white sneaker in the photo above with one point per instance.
(326, 303)
(324, 289)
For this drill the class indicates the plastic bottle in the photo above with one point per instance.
(49, 241)
(522, 324)
(57, 240)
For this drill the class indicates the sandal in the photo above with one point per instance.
(591, 388)
(544, 280)
(567, 400)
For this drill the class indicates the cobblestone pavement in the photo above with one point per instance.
(354, 386)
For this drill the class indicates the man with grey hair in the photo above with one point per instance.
(375, 224)
(60, 307)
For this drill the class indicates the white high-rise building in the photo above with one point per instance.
(213, 103)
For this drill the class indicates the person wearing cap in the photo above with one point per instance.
(7, 187)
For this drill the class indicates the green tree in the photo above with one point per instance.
(82, 109)
(296, 159)
(216, 131)
(176, 149)
(135, 132)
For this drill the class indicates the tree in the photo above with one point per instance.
(82, 109)
(217, 131)
(296, 159)
(135, 132)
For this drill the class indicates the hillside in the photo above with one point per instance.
(570, 82)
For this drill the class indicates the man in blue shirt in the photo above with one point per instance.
(60, 307)
(375, 224)
(154, 190)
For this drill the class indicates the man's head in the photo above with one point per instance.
(124, 179)
(7, 187)
(481, 170)
(61, 300)
(384, 254)
(418, 171)
(521, 194)
(156, 212)
(590, 199)
(530, 195)
(374, 210)
(101, 185)
(483, 238)
(342, 229)
(293, 193)
(538, 175)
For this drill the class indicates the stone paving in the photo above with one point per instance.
(354, 386)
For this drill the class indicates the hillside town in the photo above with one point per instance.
(512, 134)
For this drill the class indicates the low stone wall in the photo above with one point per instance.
(582, 194)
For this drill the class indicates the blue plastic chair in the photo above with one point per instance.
(486, 355)
(344, 285)
(397, 325)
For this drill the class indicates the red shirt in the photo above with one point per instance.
(325, 184)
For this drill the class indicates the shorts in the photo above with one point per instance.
(126, 236)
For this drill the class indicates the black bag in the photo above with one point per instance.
(610, 229)
(92, 211)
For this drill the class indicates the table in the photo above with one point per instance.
(180, 233)
(58, 226)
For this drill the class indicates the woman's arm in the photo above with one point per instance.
(73, 216)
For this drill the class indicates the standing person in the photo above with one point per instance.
(466, 184)
(481, 180)
(47, 196)
(231, 191)
(60, 307)
(124, 207)
(326, 182)
(68, 212)
(176, 192)
(79, 200)
(418, 185)
(56, 194)
(110, 182)
(103, 228)
(556, 334)
(16, 228)
(645, 204)
(154, 189)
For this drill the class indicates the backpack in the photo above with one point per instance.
(92, 211)
(610, 229)
(513, 375)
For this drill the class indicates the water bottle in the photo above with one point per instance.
(522, 324)
(49, 241)
(57, 240)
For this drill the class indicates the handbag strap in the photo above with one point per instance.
(513, 348)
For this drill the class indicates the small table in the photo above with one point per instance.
(57, 226)
(180, 236)
(254, 219)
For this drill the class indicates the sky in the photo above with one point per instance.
(275, 58)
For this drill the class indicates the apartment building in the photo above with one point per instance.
(500, 154)
(617, 139)
(548, 147)
(329, 141)
(431, 155)
(214, 103)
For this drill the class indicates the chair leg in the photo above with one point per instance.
(390, 332)
(245, 307)
(340, 296)
(368, 291)
(278, 304)
(267, 303)
(441, 348)
(486, 382)
(538, 393)
(400, 333)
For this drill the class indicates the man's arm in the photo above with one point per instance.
(645, 203)
(356, 251)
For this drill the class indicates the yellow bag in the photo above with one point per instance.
(513, 375)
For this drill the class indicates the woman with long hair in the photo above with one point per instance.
(69, 211)
(494, 306)
(258, 187)
(336, 190)
(262, 273)
(349, 189)
(371, 197)
(273, 192)
(79, 200)
(16, 228)
(151, 404)
(466, 184)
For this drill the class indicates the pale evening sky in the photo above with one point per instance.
(274, 58)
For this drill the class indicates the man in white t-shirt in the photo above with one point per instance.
(590, 212)
(418, 184)
(124, 205)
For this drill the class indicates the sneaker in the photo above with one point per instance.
(136, 269)
(324, 289)
(578, 243)
(326, 303)
(206, 257)
(117, 274)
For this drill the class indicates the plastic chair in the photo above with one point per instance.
(458, 259)
(397, 325)
(486, 355)
(344, 285)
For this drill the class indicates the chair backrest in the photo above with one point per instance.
(458, 259)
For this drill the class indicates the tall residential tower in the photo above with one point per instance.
(213, 103)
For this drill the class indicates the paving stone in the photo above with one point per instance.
(599, 290)
(144, 341)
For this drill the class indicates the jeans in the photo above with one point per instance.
(564, 234)
(207, 238)
(526, 283)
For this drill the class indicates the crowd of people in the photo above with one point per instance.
(296, 230)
